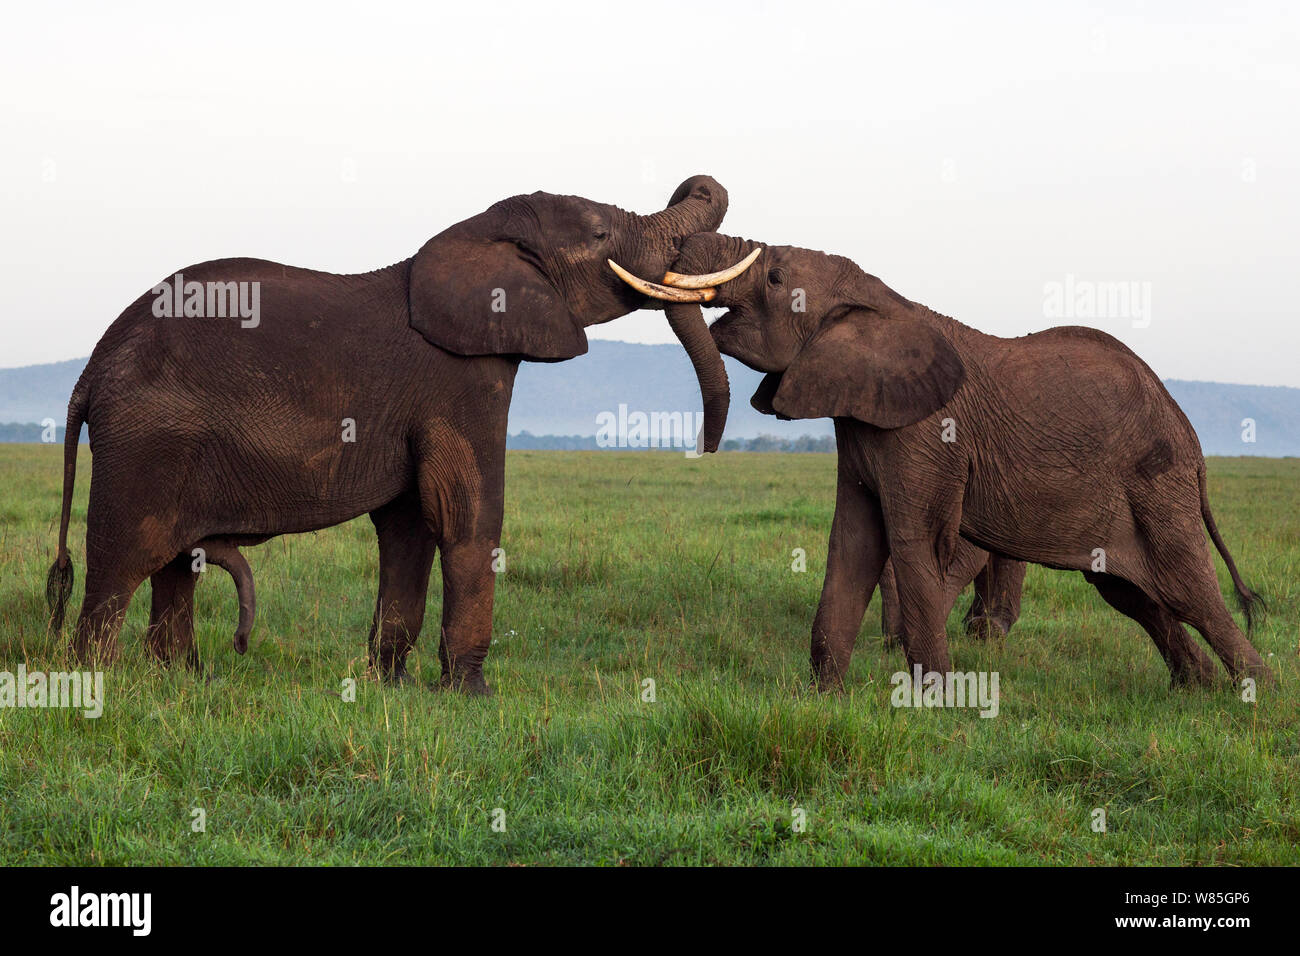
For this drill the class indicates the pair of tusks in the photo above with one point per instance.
(684, 288)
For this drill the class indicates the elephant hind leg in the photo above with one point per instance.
(130, 536)
(1185, 582)
(108, 594)
(996, 606)
(1198, 601)
(1187, 663)
(406, 550)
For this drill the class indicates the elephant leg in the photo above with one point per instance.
(468, 585)
(854, 561)
(1187, 663)
(891, 618)
(463, 502)
(171, 612)
(923, 605)
(108, 593)
(406, 551)
(1181, 576)
(996, 607)
(931, 561)
(1191, 592)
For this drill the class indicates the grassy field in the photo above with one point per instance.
(622, 567)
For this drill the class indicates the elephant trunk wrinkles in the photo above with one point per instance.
(687, 321)
(698, 205)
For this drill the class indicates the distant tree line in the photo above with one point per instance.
(29, 432)
(525, 441)
(804, 443)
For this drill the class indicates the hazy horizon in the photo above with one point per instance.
(977, 161)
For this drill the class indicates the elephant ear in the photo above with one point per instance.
(761, 400)
(474, 294)
(888, 370)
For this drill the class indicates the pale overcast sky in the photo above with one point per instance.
(968, 154)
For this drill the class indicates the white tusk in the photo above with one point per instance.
(679, 281)
(657, 291)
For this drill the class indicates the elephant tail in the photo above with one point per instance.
(1251, 604)
(58, 583)
(225, 555)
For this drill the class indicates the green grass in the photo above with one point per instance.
(622, 567)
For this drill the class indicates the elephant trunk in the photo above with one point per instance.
(697, 205)
(721, 258)
(687, 322)
(688, 283)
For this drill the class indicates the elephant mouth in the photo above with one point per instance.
(734, 337)
(721, 322)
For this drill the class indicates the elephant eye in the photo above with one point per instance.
(601, 235)
(774, 278)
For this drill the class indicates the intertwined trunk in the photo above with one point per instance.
(698, 205)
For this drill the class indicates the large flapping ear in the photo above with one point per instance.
(473, 292)
(761, 400)
(888, 370)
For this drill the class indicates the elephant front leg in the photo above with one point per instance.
(406, 550)
(924, 604)
(468, 585)
(464, 502)
(891, 618)
(854, 561)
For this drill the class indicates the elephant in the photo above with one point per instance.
(996, 605)
(1060, 448)
(383, 393)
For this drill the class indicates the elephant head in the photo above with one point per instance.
(526, 277)
(833, 340)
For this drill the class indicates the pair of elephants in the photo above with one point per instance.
(386, 393)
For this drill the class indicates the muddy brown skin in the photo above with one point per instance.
(994, 609)
(210, 435)
(1066, 446)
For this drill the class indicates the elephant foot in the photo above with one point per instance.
(398, 678)
(1258, 670)
(387, 669)
(1197, 677)
(94, 654)
(471, 685)
(827, 680)
(985, 628)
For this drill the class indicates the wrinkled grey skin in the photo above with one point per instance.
(1054, 448)
(994, 609)
(211, 434)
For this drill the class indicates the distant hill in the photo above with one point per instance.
(37, 392)
(565, 400)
